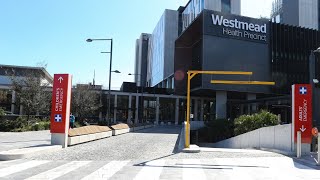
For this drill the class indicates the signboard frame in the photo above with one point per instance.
(302, 112)
(60, 109)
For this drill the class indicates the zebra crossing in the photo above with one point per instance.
(155, 169)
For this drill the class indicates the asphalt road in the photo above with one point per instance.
(150, 154)
(146, 144)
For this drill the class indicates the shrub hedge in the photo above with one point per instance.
(220, 129)
(21, 124)
(216, 130)
(246, 123)
(2, 113)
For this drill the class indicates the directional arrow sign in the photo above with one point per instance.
(60, 79)
(302, 111)
(303, 128)
(61, 98)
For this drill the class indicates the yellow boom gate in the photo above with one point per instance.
(192, 73)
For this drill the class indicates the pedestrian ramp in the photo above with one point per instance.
(221, 168)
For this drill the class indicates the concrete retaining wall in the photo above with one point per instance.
(120, 131)
(274, 137)
(123, 131)
(89, 137)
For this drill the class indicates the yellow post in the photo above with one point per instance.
(187, 139)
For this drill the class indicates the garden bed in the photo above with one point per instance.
(88, 133)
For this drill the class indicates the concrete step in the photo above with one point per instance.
(27, 152)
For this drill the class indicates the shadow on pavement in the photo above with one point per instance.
(161, 130)
(309, 160)
(224, 165)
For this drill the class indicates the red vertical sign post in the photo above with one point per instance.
(302, 111)
(60, 110)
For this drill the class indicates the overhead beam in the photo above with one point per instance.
(222, 72)
(243, 82)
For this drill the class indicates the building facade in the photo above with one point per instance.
(213, 39)
(161, 50)
(7, 95)
(160, 61)
(217, 41)
(303, 13)
(141, 60)
(195, 7)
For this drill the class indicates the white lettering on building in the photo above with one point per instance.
(241, 29)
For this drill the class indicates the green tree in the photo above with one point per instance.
(85, 101)
(2, 113)
(32, 92)
(216, 130)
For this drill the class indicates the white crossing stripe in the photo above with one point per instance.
(8, 162)
(60, 170)
(151, 171)
(20, 167)
(107, 170)
(192, 168)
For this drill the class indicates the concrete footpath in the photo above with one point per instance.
(18, 145)
(307, 160)
(15, 140)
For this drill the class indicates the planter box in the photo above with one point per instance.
(88, 137)
(120, 131)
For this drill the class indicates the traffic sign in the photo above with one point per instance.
(61, 97)
(302, 111)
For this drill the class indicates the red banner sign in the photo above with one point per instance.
(61, 99)
(302, 111)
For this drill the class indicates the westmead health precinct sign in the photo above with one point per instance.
(239, 27)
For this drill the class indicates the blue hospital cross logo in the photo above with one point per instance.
(57, 118)
(303, 90)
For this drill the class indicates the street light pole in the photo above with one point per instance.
(110, 70)
(109, 92)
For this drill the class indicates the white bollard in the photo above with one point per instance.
(299, 144)
(318, 149)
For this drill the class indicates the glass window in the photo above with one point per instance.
(167, 110)
(226, 6)
(122, 108)
(156, 53)
(278, 19)
(191, 12)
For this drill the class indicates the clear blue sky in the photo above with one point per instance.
(54, 32)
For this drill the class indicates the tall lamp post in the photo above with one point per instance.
(110, 70)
